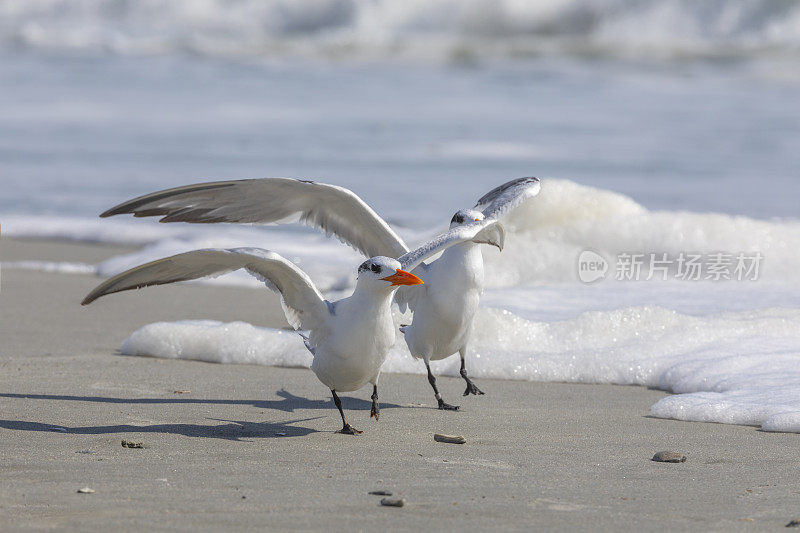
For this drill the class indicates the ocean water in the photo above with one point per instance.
(661, 131)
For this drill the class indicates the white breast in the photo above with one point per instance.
(443, 315)
(362, 331)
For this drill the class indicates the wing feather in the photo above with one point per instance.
(332, 209)
(507, 196)
(303, 304)
(482, 231)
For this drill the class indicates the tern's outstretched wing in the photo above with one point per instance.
(334, 210)
(303, 304)
(507, 196)
(484, 231)
(493, 204)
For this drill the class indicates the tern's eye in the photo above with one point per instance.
(375, 268)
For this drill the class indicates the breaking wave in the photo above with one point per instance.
(404, 28)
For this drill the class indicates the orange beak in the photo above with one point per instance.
(477, 220)
(401, 277)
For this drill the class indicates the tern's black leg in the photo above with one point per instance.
(375, 411)
(347, 429)
(471, 388)
(432, 380)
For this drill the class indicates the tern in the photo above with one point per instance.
(349, 338)
(444, 307)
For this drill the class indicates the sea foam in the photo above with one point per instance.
(735, 368)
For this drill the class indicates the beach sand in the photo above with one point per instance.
(254, 447)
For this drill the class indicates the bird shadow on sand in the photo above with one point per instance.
(232, 430)
(288, 402)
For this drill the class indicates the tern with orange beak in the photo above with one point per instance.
(444, 307)
(349, 338)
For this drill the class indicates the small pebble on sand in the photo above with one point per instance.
(451, 439)
(85, 490)
(393, 502)
(380, 493)
(669, 457)
(130, 444)
(794, 523)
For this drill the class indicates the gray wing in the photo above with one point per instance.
(334, 210)
(303, 304)
(507, 196)
(485, 231)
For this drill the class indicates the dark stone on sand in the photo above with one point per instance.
(380, 493)
(794, 523)
(669, 457)
(393, 502)
(130, 444)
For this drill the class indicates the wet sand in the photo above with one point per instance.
(254, 447)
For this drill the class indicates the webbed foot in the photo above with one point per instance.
(446, 406)
(349, 430)
(471, 388)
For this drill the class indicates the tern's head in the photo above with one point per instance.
(384, 272)
(465, 216)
